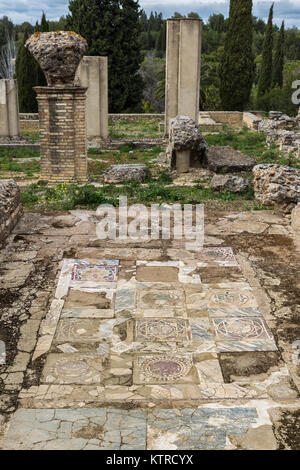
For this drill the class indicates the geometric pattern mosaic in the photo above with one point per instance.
(109, 329)
(102, 271)
(162, 330)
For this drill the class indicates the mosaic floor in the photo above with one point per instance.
(110, 325)
(147, 334)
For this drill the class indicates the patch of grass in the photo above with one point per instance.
(18, 153)
(33, 136)
(9, 161)
(141, 128)
(71, 196)
(125, 155)
(253, 144)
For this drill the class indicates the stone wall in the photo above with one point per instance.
(277, 185)
(10, 207)
(234, 118)
(30, 122)
(136, 117)
(29, 116)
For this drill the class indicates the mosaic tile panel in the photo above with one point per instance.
(100, 271)
(160, 303)
(240, 329)
(235, 334)
(222, 256)
(162, 330)
(78, 330)
(164, 369)
(230, 299)
(73, 369)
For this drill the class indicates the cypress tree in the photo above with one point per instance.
(160, 46)
(237, 63)
(111, 28)
(42, 28)
(132, 55)
(265, 78)
(279, 59)
(159, 43)
(26, 76)
(44, 24)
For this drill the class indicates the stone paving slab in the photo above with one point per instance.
(77, 429)
(207, 427)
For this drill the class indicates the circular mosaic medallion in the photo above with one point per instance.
(240, 328)
(73, 369)
(166, 368)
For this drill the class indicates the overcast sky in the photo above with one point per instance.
(31, 10)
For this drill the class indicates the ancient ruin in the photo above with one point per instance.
(62, 106)
(183, 64)
(10, 208)
(92, 74)
(276, 184)
(186, 148)
(141, 339)
(9, 109)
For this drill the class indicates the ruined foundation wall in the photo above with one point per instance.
(10, 207)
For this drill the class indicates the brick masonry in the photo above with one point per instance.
(10, 207)
(63, 138)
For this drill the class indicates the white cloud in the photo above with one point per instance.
(31, 10)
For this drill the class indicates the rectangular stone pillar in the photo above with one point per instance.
(92, 74)
(9, 108)
(183, 65)
(62, 114)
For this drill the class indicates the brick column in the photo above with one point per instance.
(62, 114)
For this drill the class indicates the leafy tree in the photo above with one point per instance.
(6, 30)
(279, 59)
(153, 73)
(26, 76)
(194, 15)
(111, 28)
(237, 64)
(265, 78)
(217, 23)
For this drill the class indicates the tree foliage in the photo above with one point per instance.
(237, 64)
(279, 59)
(265, 78)
(112, 29)
(26, 76)
(42, 28)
